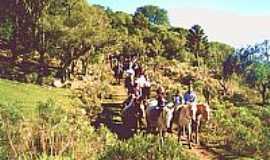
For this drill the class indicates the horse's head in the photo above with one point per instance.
(204, 111)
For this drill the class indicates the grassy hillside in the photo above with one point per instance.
(27, 96)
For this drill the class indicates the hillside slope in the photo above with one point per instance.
(27, 96)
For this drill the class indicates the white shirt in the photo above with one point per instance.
(131, 72)
(141, 81)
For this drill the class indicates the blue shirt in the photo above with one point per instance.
(190, 97)
(177, 100)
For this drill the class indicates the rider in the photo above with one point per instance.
(137, 91)
(129, 102)
(129, 81)
(191, 99)
(147, 87)
(190, 96)
(160, 97)
(177, 100)
(118, 71)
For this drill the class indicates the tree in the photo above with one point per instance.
(140, 22)
(76, 31)
(258, 75)
(174, 44)
(154, 14)
(120, 20)
(218, 52)
(197, 43)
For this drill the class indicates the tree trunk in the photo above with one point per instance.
(197, 59)
(84, 66)
(263, 94)
(224, 86)
(43, 68)
(13, 43)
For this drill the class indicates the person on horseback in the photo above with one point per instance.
(118, 71)
(177, 100)
(146, 88)
(129, 81)
(190, 98)
(160, 97)
(129, 102)
(137, 91)
(141, 83)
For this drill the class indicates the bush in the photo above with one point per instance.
(10, 117)
(146, 148)
(31, 77)
(56, 133)
(241, 130)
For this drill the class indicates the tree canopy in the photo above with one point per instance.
(197, 42)
(154, 14)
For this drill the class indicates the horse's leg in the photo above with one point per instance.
(197, 133)
(161, 136)
(184, 131)
(179, 133)
(189, 136)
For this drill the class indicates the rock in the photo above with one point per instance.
(57, 83)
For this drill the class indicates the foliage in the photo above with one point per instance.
(241, 130)
(154, 14)
(6, 30)
(197, 42)
(259, 76)
(218, 53)
(56, 133)
(146, 147)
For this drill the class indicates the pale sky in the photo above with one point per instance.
(236, 22)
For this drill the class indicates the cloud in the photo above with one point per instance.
(236, 30)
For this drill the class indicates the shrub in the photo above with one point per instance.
(240, 129)
(56, 132)
(146, 148)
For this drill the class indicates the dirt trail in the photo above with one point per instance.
(203, 153)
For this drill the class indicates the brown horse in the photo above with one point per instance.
(183, 118)
(202, 114)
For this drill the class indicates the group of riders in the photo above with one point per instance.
(138, 85)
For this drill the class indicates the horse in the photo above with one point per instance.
(133, 114)
(156, 118)
(183, 116)
(202, 114)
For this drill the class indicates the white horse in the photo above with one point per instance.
(156, 117)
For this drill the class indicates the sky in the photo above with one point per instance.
(235, 22)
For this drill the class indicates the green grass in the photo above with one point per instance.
(27, 96)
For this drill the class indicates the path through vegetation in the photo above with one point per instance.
(115, 104)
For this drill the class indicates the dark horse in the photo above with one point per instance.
(132, 115)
